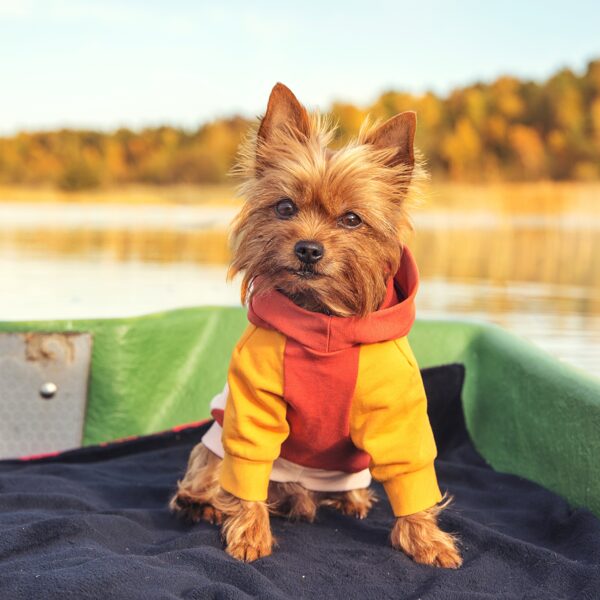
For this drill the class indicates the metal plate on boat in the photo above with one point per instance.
(43, 391)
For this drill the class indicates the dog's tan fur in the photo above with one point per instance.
(290, 157)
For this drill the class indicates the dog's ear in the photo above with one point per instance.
(398, 134)
(283, 111)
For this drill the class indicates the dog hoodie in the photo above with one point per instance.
(327, 402)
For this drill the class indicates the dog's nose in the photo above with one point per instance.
(309, 251)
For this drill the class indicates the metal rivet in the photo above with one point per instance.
(48, 390)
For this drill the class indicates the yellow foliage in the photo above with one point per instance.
(529, 148)
(511, 129)
(462, 148)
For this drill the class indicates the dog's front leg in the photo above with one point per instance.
(246, 529)
(420, 537)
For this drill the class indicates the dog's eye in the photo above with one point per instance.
(350, 220)
(285, 208)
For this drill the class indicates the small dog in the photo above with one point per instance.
(323, 389)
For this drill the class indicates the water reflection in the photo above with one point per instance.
(504, 250)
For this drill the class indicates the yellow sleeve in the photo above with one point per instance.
(254, 424)
(389, 421)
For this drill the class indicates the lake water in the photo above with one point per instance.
(524, 257)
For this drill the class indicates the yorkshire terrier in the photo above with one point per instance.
(323, 390)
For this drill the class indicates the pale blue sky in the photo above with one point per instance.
(143, 62)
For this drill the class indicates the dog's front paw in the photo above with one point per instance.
(438, 553)
(421, 539)
(247, 532)
(248, 550)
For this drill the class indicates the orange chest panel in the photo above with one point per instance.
(318, 390)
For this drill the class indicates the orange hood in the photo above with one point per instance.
(326, 333)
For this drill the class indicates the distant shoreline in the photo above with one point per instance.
(221, 194)
(511, 197)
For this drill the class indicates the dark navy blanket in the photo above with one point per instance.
(93, 523)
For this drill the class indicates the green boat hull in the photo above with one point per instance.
(527, 413)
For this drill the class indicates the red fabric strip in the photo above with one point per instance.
(318, 388)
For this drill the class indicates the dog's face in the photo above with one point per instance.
(323, 226)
